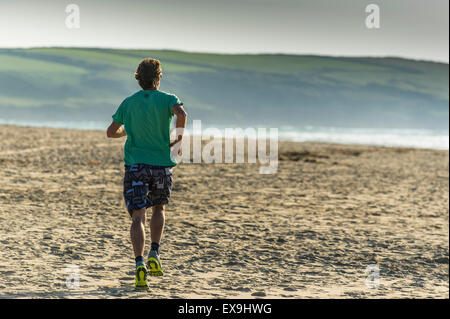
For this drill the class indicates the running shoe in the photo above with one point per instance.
(141, 277)
(154, 264)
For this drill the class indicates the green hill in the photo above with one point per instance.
(271, 90)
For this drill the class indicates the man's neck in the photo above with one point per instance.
(153, 88)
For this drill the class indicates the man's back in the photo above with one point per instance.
(146, 116)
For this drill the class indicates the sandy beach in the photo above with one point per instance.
(308, 231)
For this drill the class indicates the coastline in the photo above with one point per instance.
(404, 138)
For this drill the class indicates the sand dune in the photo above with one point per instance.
(309, 231)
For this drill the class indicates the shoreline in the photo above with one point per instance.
(282, 140)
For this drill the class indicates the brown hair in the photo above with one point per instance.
(148, 73)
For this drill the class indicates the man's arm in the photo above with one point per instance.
(115, 130)
(181, 115)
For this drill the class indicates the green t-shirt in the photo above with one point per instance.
(146, 116)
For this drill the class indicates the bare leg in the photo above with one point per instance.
(157, 223)
(137, 232)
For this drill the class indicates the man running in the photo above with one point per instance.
(146, 117)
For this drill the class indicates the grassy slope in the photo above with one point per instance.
(54, 83)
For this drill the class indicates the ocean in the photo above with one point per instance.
(415, 138)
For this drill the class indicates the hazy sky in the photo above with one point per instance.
(409, 28)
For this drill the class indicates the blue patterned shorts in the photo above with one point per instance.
(146, 186)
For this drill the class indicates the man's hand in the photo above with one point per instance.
(179, 139)
(115, 130)
(175, 142)
(181, 115)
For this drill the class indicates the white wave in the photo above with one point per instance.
(416, 138)
(76, 125)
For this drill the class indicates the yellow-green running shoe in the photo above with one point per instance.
(140, 281)
(154, 264)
